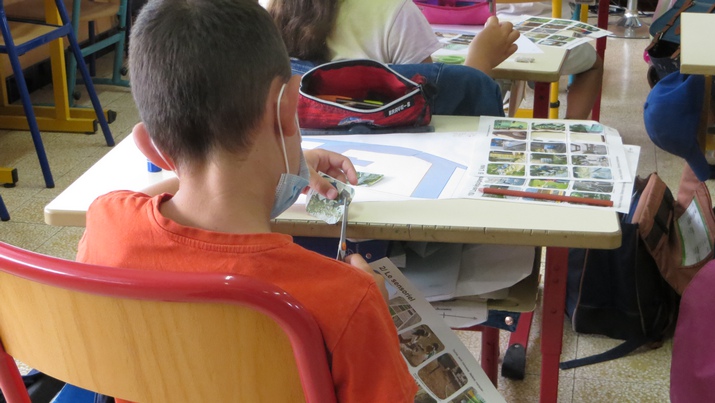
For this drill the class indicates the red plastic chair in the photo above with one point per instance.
(151, 336)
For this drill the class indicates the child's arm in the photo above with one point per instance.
(492, 45)
(358, 262)
(330, 163)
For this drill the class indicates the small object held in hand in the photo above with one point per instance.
(342, 246)
(368, 179)
(524, 59)
(325, 209)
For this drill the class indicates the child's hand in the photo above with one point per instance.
(360, 263)
(330, 163)
(492, 46)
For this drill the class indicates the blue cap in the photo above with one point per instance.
(672, 116)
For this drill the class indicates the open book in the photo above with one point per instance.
(441, 364)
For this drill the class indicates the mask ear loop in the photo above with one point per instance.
(280, 127)
(161, 155)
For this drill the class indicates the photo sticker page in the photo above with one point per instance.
(526, 159)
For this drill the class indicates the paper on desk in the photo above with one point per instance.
(414, 165)
(557, 32)
(455, 41)
(567, 157)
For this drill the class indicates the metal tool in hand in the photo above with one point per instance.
(342, 246)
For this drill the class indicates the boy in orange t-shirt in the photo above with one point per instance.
(213, 85)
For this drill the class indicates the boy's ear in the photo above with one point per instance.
(289, 106)
(146, 146)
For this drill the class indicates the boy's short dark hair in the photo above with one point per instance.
(201, 71)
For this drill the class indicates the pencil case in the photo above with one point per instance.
(347, 93)
(454, 12)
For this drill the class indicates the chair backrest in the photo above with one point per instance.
(150, 336)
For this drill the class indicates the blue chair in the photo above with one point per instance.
(86, 11)
(4, 215)
(89, 11)
(33, 35)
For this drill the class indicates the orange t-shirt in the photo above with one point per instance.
(126, 229)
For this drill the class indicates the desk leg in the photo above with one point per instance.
(541, 100)
(490, 353)
(552, 323)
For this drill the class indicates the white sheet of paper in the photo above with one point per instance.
(488, 268)
(524, 45)
(436, 274)
(414, 165)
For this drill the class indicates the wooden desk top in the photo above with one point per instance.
(546, 67)
(447, 220)
(696, 48)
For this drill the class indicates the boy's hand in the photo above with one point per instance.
(492, 46)
(330, 163)
(358, 262)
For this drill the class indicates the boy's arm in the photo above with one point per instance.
(359, 262)
(492, 45)
(367, 364)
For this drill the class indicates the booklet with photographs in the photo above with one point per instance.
(580, 159)
(441, 364)
(557, 32)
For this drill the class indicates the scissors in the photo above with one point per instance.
(342, 246)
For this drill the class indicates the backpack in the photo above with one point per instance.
(620, 293)
(683, 246)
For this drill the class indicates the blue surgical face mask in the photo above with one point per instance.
(290, 186)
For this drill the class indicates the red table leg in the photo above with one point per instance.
(541, 100)
(490, 353)
(552, 322)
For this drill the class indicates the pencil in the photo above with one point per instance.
(548, 196)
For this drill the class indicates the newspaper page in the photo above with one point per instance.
(557, 32)
(441, 364)
(574, 158)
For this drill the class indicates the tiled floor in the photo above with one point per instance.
(641, 377)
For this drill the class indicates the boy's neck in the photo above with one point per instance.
(229, 194)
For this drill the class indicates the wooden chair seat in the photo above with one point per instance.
(24, 32)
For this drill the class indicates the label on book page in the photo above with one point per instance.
(441, 364)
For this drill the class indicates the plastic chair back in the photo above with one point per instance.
(148, 336)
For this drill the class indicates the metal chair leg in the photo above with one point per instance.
(4, 215)
(118, 39)
(26, 104)
(85, 75)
